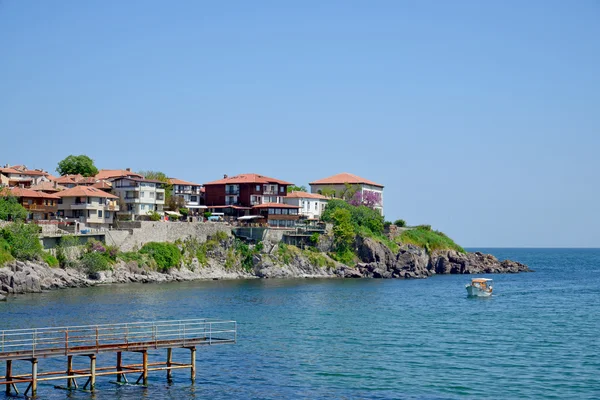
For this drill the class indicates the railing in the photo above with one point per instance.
(41, 207)
(39, 342)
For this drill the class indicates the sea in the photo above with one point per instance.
(537, 337)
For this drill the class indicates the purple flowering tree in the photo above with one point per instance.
(368, 198)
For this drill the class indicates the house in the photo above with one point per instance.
(39, 205)
(12, 177)
(251, 195)
(139, 196)
(311, 204)
(339, 185)
(190, 192)
(91, 207)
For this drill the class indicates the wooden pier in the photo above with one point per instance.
(31, 345)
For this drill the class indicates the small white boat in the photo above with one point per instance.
(480, 287)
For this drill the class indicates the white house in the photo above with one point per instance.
(311, 204)
(91, 207)
(139, 196)
(338, 185)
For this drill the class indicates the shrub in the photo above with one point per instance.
(5, 255)
(259, 247)
(400, 222)
(184, 211)
(245, 254)
(154, 216)
(134, 257)
(166, 255)
(68, 251)
(207, 214)
(23, 241)
(94, 262)
(50, 259)
(314, 238)
(387, 224)
(10, 209)
(220, 236)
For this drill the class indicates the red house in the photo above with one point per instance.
(251, 196)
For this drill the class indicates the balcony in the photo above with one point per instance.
(232, 192)
(40, 208)
(83, 206)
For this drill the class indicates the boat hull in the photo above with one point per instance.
(473, 291)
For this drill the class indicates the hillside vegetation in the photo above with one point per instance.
(423, 236)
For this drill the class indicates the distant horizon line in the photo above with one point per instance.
(535, 247)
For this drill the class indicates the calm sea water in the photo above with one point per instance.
(538, 337)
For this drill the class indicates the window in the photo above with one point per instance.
(282, 189)
(99, 213)
(258, 188)
(194, 198)
(151, 195)
(142, 207)
(107, 215)
(143, 194)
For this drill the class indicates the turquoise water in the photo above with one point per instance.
(538, 337)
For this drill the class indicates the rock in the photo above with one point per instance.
(2, 297)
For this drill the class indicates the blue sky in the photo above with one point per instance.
(480, 118)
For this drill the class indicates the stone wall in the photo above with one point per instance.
(160, 231)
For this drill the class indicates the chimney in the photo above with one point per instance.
(128, 169)
(224, 176)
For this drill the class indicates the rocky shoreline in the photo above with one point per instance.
(375, 261)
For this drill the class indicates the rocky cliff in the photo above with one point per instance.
(376, 260)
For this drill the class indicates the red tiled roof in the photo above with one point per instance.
(65, 180)
(51, 177)
(342, 178)
(85, 191)
(115, 173)
(20, 192)
(102, 185)
(48, 186)
(90, 180)
(275, 205)
(247, 178)
(175, 181)
(9, 171)
(306, 195)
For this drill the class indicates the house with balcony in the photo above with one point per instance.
(338, 186)
(311, 205)
(89, 206)
(190, 192)
(138, 196)
(12, 177)
(251, 195)
(39, 205)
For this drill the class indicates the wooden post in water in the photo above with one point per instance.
(193, 363)
(145, 366)
(69, 371)
(8, 375)
(92, 371)
(34, 373)
(169, 363)
(119, 366)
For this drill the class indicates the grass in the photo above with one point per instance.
(318, 259)
(49, 259)
(428, 239)
(381, 238)
(5, 255)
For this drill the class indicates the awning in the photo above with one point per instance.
(248, 217)
(196, 207)
(174, 213)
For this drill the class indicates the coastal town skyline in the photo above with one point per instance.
(479, 119)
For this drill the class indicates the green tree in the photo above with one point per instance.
(81, 164)
(23, 241)
(343, 230)
(400, 222)
(294, 188)
(10, 209)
